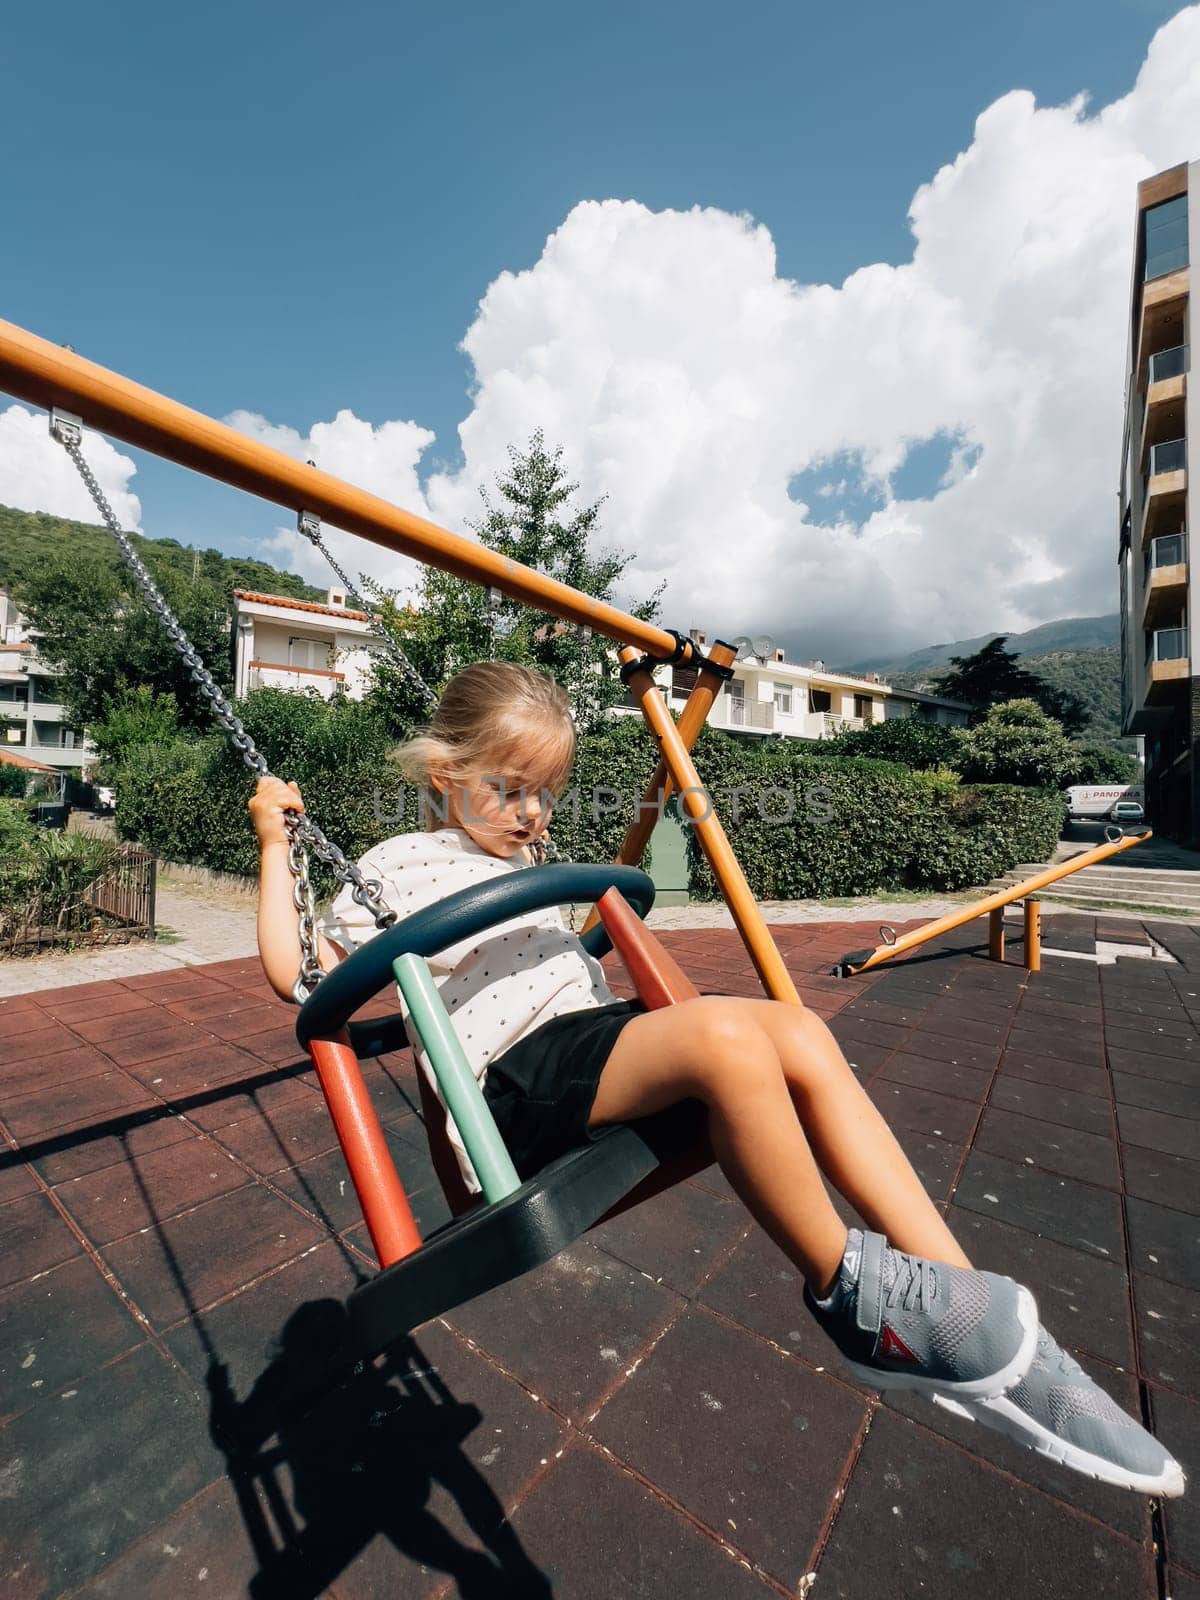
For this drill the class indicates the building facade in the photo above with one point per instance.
(1160, 693)
(33, 724)
(926, 707)
(280, 643)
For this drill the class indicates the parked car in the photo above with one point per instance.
(106, 799)
(1125, 811)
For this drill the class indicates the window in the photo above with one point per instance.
(307, 653)
(862, 707)
(1166, 237)
(783, 698)
(13, 735)
(820, 700)
(683, 681)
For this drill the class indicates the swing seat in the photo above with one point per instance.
(487, 1245)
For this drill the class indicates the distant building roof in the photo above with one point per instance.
(299, 605)
(929, 699)
(10, 758)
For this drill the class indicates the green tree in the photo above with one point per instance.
(134, 717)
(993, 675)
(1017, 743)
(910, 741)
(94, 627)
(452, 622)
(1100, 763)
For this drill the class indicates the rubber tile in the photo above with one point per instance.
(57, 1327)
(1055, 1074)
(95, 1467)
(1082, 1299)
(1119, 1509)
(144, 1190)
(1166, 1068)
(1164, 1243)
(1177, 1424)
(1064, 1045)
(1049, 1103)
(1075, 1214)
(1167, 1180)
(758, 1288)
(1147, 1041)
(187, 984)
(1173, 1099)
(950, 1020)
(676, 1239)
(234, 1101)
(103, 1096)
(199, 1257)
(469, 1440)
(629, 1543)
(1154, 1130)
(1181, 1585)
(209, 1008)
(323, 1187)
(862, 1030)
(275, 1045)
(942, 1525)
(16, 1177)
(959, 1052)
(34, 1236)
(744, 1438)
(263, 1017)
(1030, 1141)
(284, 1135)
(86, 1147)
(20, 1077)
(924, 1111)
(865, 1057)
(170, 1037)
(570, 1330)
(113, 1002)
(43, 1038)
(935, 1161)
(196, 1070)
(1168, 1321)
(137, 1019)
(1164, 1022)
(919, 1072)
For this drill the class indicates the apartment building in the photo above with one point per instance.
(281, 643)
(1160, 692)
(771, 696)
(33, 725)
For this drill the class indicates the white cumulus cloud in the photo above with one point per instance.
(36, 474)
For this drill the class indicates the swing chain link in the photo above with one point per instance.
(303, 834)
(309, 525)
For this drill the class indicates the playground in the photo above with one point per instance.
(182, 1233)
(258, 1338)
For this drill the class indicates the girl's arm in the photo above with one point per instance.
(278, 919)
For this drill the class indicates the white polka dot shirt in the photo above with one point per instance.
(498, 986)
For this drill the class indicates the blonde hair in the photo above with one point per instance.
(493, 718)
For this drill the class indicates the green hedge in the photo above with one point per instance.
(859, 827)
(887, 827)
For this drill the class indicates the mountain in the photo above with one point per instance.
(1069, 633)
(27, 537)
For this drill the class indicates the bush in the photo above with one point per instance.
(908, 741)
(43, 875)
(1100, 763)
(1017, 743)
(132, 718)
(13, 781)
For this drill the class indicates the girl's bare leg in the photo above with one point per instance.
(854, 1146)
(710, 1051)
(763, 1069)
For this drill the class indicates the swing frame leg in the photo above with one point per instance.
(381, 1195)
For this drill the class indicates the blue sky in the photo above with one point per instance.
(294, 209)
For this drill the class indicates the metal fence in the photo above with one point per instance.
(111, 909)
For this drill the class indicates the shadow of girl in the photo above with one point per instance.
(363, 1446)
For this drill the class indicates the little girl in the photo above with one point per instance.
(560, 1057)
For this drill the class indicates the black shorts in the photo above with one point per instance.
(541, 1089)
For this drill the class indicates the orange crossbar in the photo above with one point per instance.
(46, 374)
(863, 960)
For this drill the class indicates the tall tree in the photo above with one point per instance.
(453, 622)
(993, 675)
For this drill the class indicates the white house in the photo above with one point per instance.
(281, 643)
(32, 722)
(769, 695)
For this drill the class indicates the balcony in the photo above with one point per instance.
(1172, 363)
(832, 723)
(755, 716)
(279, 675)
(1165, 577)
(1164, 487)
(1164, 301)
(1167, 662)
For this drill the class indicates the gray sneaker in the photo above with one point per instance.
(1059, 1412)
(906, 1323)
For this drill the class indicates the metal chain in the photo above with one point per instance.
(309, 525)
(304, 835)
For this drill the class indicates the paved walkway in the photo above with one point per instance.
(203, 925)
(653, 1413)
